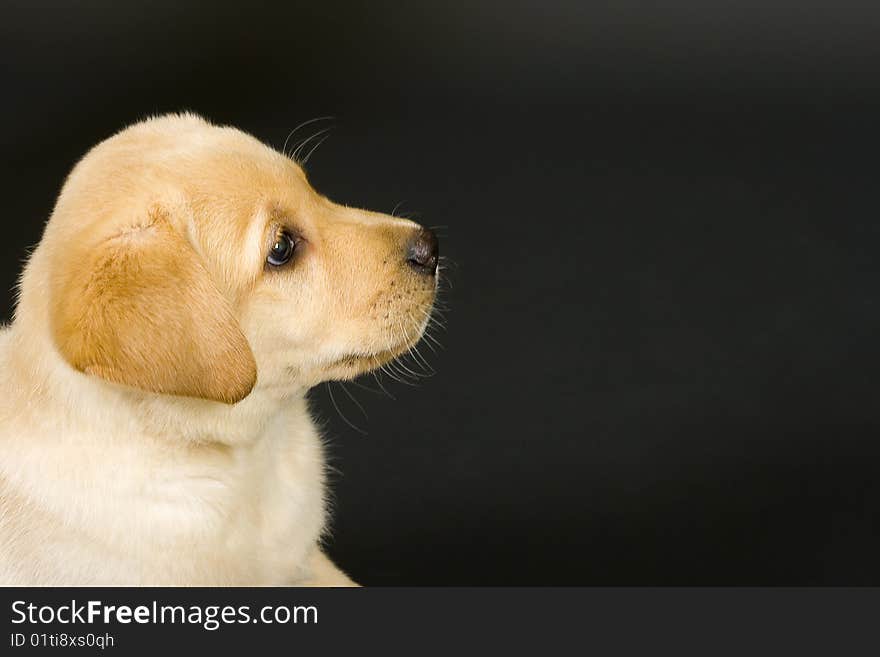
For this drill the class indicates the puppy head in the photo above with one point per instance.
(189, 259)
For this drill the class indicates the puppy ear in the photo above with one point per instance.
(140, 309)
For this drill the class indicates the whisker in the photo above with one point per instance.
(419, 358)
(365, 387)
(396, 208)
(401, 363)
(417, 355)
(296, 151)
(303, 125)
(431, 342)
(402, 376)
(341, 414)
(352, 398)
(379, 382)
(313, 149)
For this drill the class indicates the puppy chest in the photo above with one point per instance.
(272, 514)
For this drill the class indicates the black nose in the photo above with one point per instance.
(422, 251)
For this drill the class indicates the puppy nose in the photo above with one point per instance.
(422, 251)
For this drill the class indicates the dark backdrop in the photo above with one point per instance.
(660, 363)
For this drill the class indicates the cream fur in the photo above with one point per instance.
(105, 478)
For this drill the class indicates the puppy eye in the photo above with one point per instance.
(282, 250)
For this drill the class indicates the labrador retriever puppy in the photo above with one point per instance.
(188, 290)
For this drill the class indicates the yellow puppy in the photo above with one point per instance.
(189, 288)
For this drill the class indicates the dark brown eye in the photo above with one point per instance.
(281, 251)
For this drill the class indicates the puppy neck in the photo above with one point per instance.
(86, 400)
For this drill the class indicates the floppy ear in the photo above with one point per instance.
(140, 309)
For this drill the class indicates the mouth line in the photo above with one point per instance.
(367, 361)
(373, 359)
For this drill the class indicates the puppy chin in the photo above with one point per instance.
(355, 364)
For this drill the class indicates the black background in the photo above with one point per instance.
(661, 350)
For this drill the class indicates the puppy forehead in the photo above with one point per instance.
(226, 163)
(238, 195)
(243, 185)
(222, 188)
(234, 184)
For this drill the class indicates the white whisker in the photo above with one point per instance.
(353, 399)
(341, 414)
(305, 160)
(302, 125)
(296, 151)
